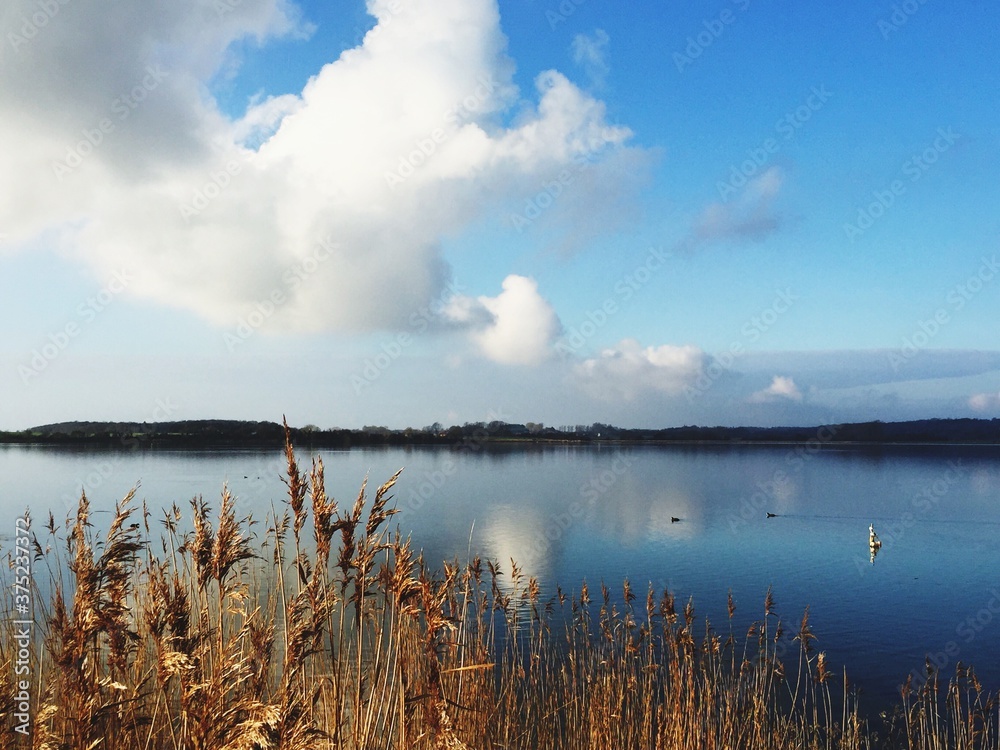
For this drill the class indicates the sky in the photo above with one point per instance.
(399, 212)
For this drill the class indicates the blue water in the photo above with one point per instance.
(602, 514)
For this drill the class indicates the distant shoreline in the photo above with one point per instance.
(230, 434)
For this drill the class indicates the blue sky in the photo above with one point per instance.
(406, 212)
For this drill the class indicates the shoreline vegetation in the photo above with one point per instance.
(321, 628)
(209, 434)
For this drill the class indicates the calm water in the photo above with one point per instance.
(566, 514)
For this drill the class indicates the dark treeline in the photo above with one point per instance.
(232, 433)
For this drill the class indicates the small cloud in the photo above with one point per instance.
(590, 52)
(517, 327)
(749, 217)
(989, 402)
(781, 388)
(628, 370)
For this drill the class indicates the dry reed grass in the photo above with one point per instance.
(342, 637)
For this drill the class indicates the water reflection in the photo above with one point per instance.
(522, 534)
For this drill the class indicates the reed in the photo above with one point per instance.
(343, 637)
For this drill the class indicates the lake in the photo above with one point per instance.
(604, 513)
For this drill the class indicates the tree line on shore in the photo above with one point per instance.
(237, 433)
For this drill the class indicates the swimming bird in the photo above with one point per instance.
(674, 519)
(772, 515)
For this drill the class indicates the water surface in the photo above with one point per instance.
(604, 513)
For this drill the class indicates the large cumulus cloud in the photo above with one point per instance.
(113, 145)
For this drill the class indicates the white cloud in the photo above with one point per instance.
(781, 389)
(628, 370)
(517, 327)
(590, 52)
(988, 402)
(394, 145)
(262, 118)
